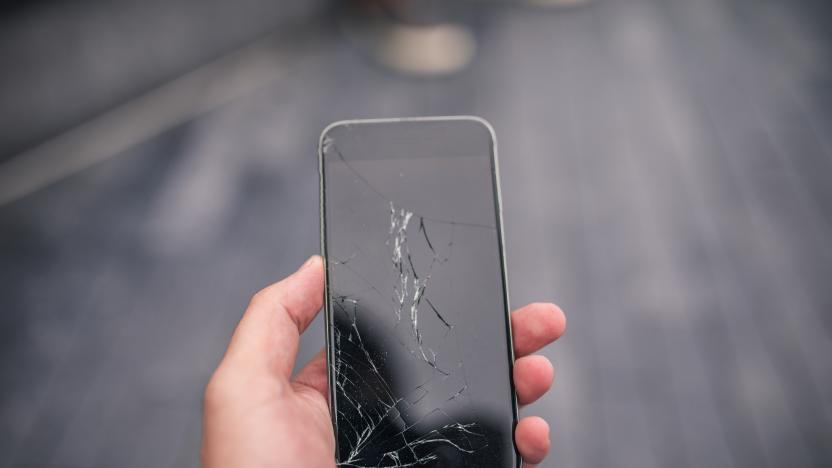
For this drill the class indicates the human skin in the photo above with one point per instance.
(257, 415)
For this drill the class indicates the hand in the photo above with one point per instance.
(257, 416)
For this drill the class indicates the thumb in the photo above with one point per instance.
(267, 336)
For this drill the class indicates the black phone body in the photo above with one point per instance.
(419, 344)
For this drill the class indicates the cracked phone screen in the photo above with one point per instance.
(418, 344)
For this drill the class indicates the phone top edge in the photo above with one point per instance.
(438, 118)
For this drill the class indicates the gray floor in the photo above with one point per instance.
(667, 178)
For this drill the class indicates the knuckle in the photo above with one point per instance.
(217, 390)
(270, 296)
(259, 297)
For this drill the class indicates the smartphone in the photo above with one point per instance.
(417, 317)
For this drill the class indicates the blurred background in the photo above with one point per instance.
(666, 173)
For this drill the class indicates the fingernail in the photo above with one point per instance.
(309, 261)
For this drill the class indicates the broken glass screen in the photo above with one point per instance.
(419, 352)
